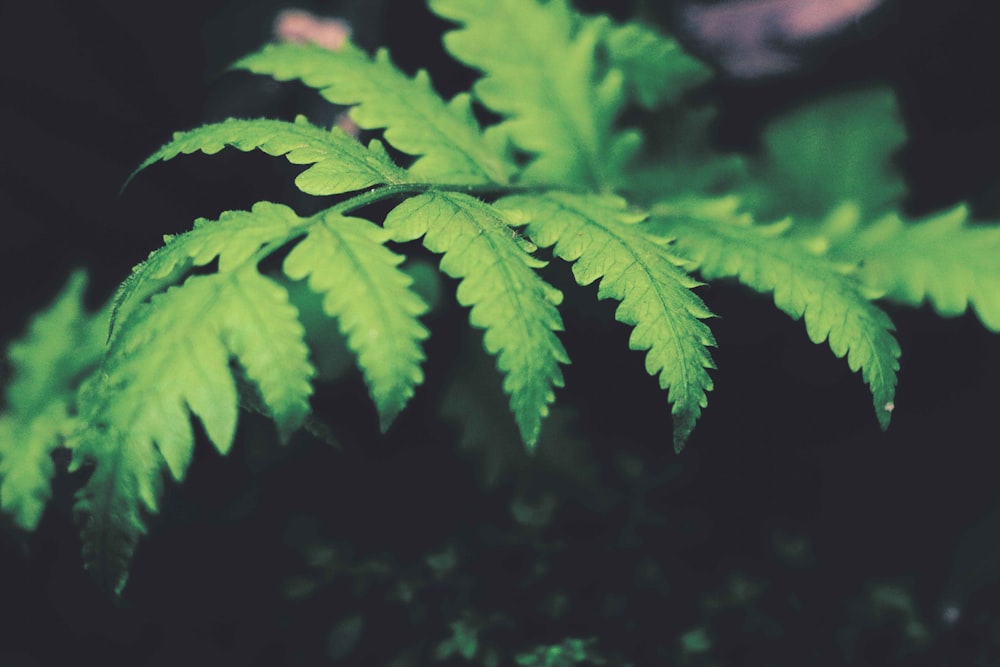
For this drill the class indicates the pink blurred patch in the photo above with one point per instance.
(806, 19)
(347, 124)
(301, 27)
(298, 26)
(752, 38)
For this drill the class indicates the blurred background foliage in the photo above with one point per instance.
(810, 539)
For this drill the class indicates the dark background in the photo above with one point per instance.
(788, 443)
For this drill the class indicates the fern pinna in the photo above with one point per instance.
(200, 327)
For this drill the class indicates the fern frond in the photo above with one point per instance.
(602, 238)
(941, 259)
(806, 286)
(345, 260)
(657, 70)
(172, 359)
(339, 162)
(444, 135)
(48, 363)
(540, 73)
(509, 300)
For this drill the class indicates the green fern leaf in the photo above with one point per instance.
(941, 259)
(158, 378)
(379, 322)
(110, 508)
(172, 358)
(339, 162)
(235, 238)
(377, 314)
(831, 151)
(540, 73)
(601, 236)
(508, 299)
(417, 121)
(829, 300)
(262, 330)
(657, 69)
(680, 157)
(61, 344)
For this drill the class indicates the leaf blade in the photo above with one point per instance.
(602, 240)
(234, 239)
(941, 259)
(540, 73)
(837, 149)
(170, 361)
(380, 322)
(339, 163)
(514, 306)
(657, 69)
(61, 345)
(803, 285)
(264, 333)
(111, 507)
(444, 135)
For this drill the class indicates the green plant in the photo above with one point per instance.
(218, 316)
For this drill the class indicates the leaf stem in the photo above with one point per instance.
(380, 193)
